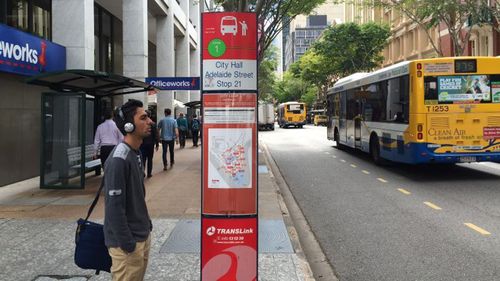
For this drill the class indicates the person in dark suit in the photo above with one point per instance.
(148, 146)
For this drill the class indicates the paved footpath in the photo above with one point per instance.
(37, 227)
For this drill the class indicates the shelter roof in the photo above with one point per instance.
(95, 83)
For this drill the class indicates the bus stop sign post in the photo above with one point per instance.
(229, 216)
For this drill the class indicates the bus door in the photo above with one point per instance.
(357, 123)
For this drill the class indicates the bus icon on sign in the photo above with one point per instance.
(229, 24)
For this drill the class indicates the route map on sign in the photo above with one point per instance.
(230, 158)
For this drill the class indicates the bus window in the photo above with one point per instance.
(295, 108)
(495, 88)
(430, 88)
(398, 100)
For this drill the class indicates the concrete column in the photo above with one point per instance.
(183, 64)
(73, 27)
(194, 59)
(182, 55)
(165, 59)
(135, 43)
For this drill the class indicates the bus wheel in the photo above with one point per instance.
(336, 138)
(300, 126)
(375, 151)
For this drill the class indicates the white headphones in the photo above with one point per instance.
(128, 126)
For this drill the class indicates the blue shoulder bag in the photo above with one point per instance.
(90, 250)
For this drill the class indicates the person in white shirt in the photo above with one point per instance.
(107, 136)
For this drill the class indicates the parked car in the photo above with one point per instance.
(320, 120)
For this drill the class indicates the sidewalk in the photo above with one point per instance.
(37, 226)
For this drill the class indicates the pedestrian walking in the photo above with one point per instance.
(107, 136)
(195, 129)
(167, 129)
(182, 125)
(148, 148)
(127, 225)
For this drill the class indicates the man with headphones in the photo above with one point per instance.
(127, 225)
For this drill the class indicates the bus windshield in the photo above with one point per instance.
(295, 108)
(462, 89)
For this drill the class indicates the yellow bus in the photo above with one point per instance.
(292, 113)
(441, 110)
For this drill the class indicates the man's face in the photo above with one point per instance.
(142, 123)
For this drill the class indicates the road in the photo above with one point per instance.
(397, 222)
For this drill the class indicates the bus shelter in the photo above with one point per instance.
(68, 121)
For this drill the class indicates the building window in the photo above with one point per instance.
(108, 41)
(33, 16)
(41, 18)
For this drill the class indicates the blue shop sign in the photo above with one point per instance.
(26, 54)
(175, 83)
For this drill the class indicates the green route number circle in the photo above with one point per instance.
(216, 48)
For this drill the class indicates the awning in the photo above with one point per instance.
(193, 104)
(178, 103)
(91, 82)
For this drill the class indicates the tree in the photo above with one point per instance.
(267, 77)
(272, 15)
(457, 15)
(342, 50)
(292, 88)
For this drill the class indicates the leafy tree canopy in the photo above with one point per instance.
(456, 15)
(267, 77)
(273, 15)
(342, 50)
(292, 88)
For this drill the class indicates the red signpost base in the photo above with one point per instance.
(229, 249)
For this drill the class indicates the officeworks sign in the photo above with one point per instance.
(25, 54)
(174, 83)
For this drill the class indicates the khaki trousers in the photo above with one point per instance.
(130, 266)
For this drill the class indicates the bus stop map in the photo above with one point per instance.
(230, 158)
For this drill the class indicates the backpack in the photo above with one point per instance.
(195, 125)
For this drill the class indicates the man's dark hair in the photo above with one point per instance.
(194, 115)
(128, 110)
(168, 111)
(108, 113)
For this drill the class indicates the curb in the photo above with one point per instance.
(302, 237)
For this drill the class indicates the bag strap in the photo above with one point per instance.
(96, 199)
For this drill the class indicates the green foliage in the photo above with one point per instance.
(292, 88)
(342, 50)
(267, 77)
(272, 14)
(455, 15)
(350, 48)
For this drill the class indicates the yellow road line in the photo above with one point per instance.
(366, 172)
(354, 166)
(404, 191)
(342, 160)
(477, 228)
(382, 180)
(435, 207)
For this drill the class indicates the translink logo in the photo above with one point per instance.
(18, 52)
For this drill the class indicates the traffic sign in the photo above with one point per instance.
(229, 51)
